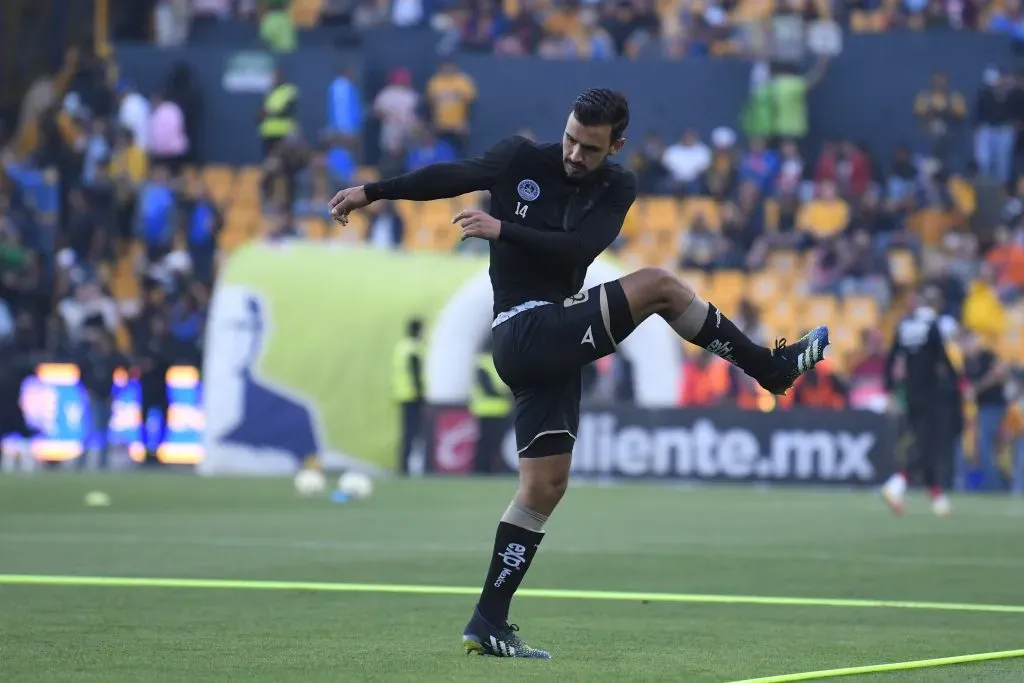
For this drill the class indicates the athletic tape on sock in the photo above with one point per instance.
(691, 322)
(524, 517)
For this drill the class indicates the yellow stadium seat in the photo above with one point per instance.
(860, 312)
(367, 174)
(785, 262)
(1011, 346)
(659, 213)
(931, 225)
(964, 196)
(356, 230)
(408, 212)
(902, 267)
(313, 228)
(780, 318)
(819, 310)
(764, 287)
(228, 241)
(697, 279)
(220, 181)
(247, 186)
(632, 225)
(727, 288)
(701, 206)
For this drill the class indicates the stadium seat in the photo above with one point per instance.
(820, 310)
(727, 289)
(698, 280)
(764, 287)
(247, 186)
(931, 225)
(902, 267)
(220, 181)
(367, 174)
(703, 206)
(780, 318)
(659, 213)
(860, 312)
(356, 230)
(313, 228)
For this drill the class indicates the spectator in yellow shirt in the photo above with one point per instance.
(451, 94)
(825, 216)
(983, 313)
(129, 168)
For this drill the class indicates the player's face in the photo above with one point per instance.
(584, 148)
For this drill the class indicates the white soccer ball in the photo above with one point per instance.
(310, 482)
(355, 485)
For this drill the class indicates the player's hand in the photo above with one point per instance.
(347, 201)
(476, 223)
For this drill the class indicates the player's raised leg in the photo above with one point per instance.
(655, 291)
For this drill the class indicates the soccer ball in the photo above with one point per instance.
(310, 482)
(355, 485)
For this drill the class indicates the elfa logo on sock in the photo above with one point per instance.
(514, 555)
(721, 349)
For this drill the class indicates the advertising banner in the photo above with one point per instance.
(848, 448)
(55, 403)
(298, 353)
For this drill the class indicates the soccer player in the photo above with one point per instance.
(934, 411)
(554, 208)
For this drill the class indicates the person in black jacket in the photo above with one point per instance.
(554, 208)
(933, 404)
(99, 359)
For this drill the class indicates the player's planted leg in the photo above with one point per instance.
(655, 291)
(542, 483)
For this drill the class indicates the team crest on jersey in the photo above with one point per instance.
(529, 190)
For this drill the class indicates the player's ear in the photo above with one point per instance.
(617, 146)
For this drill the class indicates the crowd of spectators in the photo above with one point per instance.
(582, 29)
(109, 234)
(106, 249)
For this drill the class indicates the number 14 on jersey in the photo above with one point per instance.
(521, 209)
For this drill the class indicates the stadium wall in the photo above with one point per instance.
(867, 94)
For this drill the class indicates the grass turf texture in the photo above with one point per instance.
(721, 541)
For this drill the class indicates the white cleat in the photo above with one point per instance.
(894, 494)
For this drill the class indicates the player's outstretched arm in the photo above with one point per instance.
(437, 181)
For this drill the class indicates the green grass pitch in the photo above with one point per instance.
(715, 540)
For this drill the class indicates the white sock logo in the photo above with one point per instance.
(588, 337)
(514, 555)
(722, 349)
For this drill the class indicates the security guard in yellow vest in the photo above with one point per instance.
(490, 401)
(280, 109)
(407, 387)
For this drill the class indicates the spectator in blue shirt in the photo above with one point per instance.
(345, 105)
(759, 165)
(428, 149)
(156, 214)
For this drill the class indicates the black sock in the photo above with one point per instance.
(720, 336)
(514, 548)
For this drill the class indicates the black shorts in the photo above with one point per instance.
(539, 353)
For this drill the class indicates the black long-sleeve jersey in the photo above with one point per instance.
(921, 340)
(552, 226)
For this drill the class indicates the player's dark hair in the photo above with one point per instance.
(603, 107)
(414, 327)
